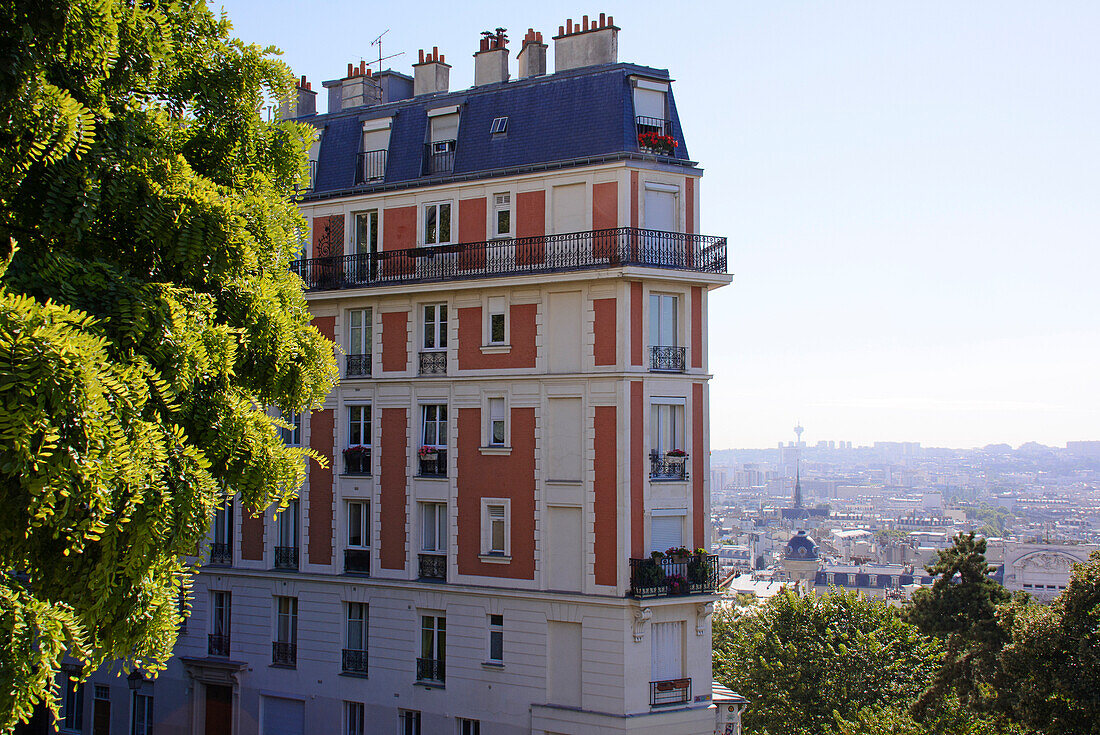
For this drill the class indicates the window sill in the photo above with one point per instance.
(359, 475)
(430, 684)
(495, 450)
(291, 667)
(495, 349)
(354, 675)
(430, 477)
(494, 665)
(495, 558)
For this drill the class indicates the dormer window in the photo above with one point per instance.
(651, 107)
(372, 151)
(443, 139)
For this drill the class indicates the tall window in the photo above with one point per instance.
(223, 524)
(502, 214)
(497, 322)
(433, 647)
(357, 457)
(360, 331)
(72, 705)
(293, 436)
(496, 639)
(141, 722)
(353, 718)
(286, 621)
(434, 433)
(359, 524)
(358, 616)
(469, 727)
(433, 527)
(408, 722)
(288, 525)
(666, 429)
(220, 606)
(437, 223)
(494, 524)
(366, 232)
(662, 320)
(496, 422)
(435, 327)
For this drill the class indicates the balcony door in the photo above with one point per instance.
(364, 267)
(659, 247)
(668, 651)
(666, 532)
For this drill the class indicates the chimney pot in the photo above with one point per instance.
(603, 20)
(435, 52)
(561, 30)
(362, 67)
(585, 19)
(568, 27)
(442, 58)
(421, 56)
(349, 70)
(611, 20)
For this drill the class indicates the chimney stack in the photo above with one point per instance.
(431, 75)
(532, 57)
(586, 44)
(357, 89)
(491, 61)
(305, 104)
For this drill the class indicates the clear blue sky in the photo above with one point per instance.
(911, 191)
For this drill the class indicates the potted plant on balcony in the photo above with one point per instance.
(649, 574)
(356, 458)
(699, 567)
(678, 554)
(653, 142)
(676, 457)
(428, 453)
(677, 584)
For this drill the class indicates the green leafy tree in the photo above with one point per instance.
(148, 320)
(960, 608)
(804, 661)
(1048, 674)
(949, 718)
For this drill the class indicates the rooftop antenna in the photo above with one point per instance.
(378, 42)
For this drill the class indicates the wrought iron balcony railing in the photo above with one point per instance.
(433, 363)
(669, 691)
(667, 359)
(284, 654)
(668, 576)
(613, 248)
(658, 125)
(221, 554)
(354, 661)
(370, 166)
(439, 157)
(357, 366)
(431, 669)
(217, 644)
(357, 561)
(432, 566)
(286, 557)
(357, 461)
(665, 467)
(433, 466)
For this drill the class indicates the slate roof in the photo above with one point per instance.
(555, 118)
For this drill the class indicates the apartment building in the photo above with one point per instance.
(515, 280)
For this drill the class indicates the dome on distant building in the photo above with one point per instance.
(801, 546)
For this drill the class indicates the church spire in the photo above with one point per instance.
(797, 487)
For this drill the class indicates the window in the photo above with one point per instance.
(141, 722)
(437, 223)
(434, 431)
(357, 456)
(444, 124)
(223, 524)
(435, 327)
(500, 125)
(358, 616)
(72, 705)
(650, 104)
(496, 639)
(359, 524)
(465, 726)
(292, 437)
(666, 530)
(433, 648)
(496, 422)
(353, 718)
(366, 232)
(287, 521)
(497, 321)
(220, 606)
(286, 620)
(408, 722)
(494, 527)
(666, 427)
(433, 527)
(360, 331)
(502, 214)
(662, 320)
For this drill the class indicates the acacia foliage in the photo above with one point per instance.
(147, 319)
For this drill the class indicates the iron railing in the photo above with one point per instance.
(667, 359)
(667, 576)
(664, 467)
(433, 466)
(284, 654)
(658, 125)
(433, 363)
(221, 554)
(357, 462)
(439, 157)
(286, 557)
(622, 246)
(431, 669)
(354, 661)
(370, 166)
(357, 561)
(669, 691)
(432, 566)
(357, 366)
(217, 644)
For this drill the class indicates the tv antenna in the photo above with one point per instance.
(378, 42)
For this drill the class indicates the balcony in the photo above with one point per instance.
(357, 561)
(669, 691)
(590, 250)
(354, 661)
(221, 554)
(432, 465)
(432, 566)
(666, 467)
(370, 166)
(286, 557)
(657, 125)
(433, 363)
(673, 576)
(431, 670)
(357, 366)
(439, 157)
(217, 644)
(667, 359)
(284, 654)
(357, 461)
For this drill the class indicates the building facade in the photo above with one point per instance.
(515, 280)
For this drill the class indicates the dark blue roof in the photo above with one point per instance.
(801, 546)
(558, 117)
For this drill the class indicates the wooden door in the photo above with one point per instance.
(219, 710)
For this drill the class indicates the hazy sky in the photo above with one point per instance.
(911, 192)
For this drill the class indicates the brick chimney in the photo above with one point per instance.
(581, 44)
(532, 57)
(357, 89)
(303, 106)
(491, 61)
(431, 75)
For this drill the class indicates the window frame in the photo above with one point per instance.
(468, 726)
(286, 621)
(437, 423)
(437, 233)
(221, 615)
(146, 704)
(677, 408)
(438, 645)
(496, 305)
(72, 702)
(365, 529)
(494, 215)
(354, 718)
(408, 721)
(291, 437)
(494, 629)
(364, 248)
(500, 401)
(222, 531)
(281, 519)
(440, 325)
(656, 339)
(439, 525)
(365, 344)
(364, 625)
(365, 426)
(488, 550)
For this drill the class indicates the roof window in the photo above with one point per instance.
(500, 125)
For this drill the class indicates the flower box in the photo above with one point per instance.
(652, 142)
